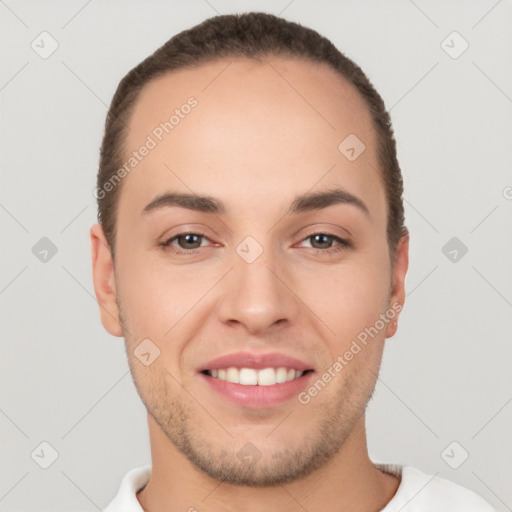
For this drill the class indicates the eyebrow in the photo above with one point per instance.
(303, 203)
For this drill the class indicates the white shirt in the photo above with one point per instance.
(417, 492)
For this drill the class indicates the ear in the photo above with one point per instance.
(400, 267)
(104, 281)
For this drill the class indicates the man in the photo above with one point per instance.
(252, 252)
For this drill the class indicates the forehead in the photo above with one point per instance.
(272, 127)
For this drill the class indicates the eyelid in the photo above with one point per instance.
(167, 242)
(340, 245)
(187, 229)
(327, 231)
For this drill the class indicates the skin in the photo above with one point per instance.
(253, 141)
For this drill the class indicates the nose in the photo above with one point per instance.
(258, 296)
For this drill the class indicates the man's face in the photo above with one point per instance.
(256, 279)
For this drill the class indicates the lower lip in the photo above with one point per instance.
(258, 396)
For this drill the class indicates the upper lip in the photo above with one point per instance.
(256, 361)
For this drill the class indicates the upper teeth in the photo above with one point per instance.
(252, 377)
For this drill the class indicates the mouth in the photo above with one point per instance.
(254, 377)
(256, 380)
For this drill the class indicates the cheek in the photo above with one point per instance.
(151, 292)
(161, 303)
(348, 298)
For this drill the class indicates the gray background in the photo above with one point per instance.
(446, 376)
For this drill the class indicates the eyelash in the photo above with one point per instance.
(342, 243)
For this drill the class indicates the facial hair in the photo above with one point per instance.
(177, 416)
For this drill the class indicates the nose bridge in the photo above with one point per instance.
(255, 295)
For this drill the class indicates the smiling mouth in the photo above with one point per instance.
(252, 377)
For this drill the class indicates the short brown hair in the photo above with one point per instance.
(252, 35)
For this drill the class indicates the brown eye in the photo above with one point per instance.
(185, 241)
(324, 241)
(189, 241)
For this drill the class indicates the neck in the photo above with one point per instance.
(349, 481)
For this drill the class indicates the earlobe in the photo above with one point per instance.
(104, 281)
(397, 299)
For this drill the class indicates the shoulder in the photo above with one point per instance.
(126, 498)
(421, 492)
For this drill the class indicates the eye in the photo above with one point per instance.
(189, 242)
(323, 242)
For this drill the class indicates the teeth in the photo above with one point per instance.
(267, 377)
(281, 375)
(233, 375)
(252, 377)
(248, 377)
